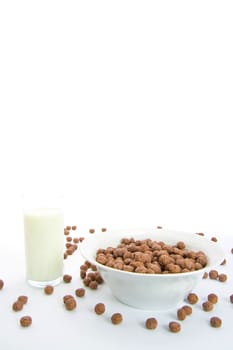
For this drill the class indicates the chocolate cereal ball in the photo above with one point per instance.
(25, 321)
(17, 305)
(215, 322)
(70, 304)
(23, 299)
(213, 274)
(151, 323)
(174, 327)
(93, 285)
(116, 318)
(80, 292)
(99, 308)
(222, 277)
(66, 297)
(1, 284)
(188, 310)
(223, 262)
(207, 306)
(67, 278)
(205, 275)
(48, 290)
(181, 314)
(213, 298)
(192, 298)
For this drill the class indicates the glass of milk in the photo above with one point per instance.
(44, 239)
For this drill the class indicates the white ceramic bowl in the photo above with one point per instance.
(151, 291)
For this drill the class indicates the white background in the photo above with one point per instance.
(125, 107)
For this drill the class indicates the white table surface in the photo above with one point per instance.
(82, 329)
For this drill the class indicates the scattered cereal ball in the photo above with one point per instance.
(1, 284)
(86, 281)
(17, 305)
(91, 275)
(232, 250)
(69, 251)
(151, 323)
(213, 298)
(48, 290)
(103, 229)
(67, 278)
(26, 321)
(93, 267)
(231, 298)
(181, 314)
(159, 227)
(74, 247)
(70, 304)
(87, 263)
(66, 297)
(74, 228)
(214, 239)
(84, 267)
(222, 277)
(192, 298)
(213, 274)
(207, 306)
(80, 292)
(82, 274)
(23, 299)
(174, 327)
(215, 322)
(205, 275)
(99, 279)
(116, 318)
(223, 262)
(91, 230)
(68, 228)
(99, 308)
(188, 310)
(93, 285)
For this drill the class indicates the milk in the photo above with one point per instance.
(44, 245)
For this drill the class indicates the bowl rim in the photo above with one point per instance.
(155, 275)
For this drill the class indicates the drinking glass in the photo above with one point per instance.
(44, 238)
